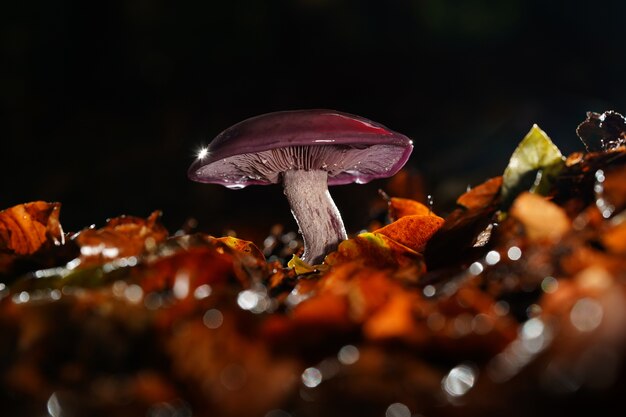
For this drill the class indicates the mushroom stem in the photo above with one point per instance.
(315, 212)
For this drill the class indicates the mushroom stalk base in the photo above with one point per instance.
(315, 212)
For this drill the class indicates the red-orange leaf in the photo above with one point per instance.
(412, 231)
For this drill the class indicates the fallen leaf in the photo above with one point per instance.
(401, 207)
(455, 242)
(192, 267)
(532, 167)
(244, 246)
(301, 267)
(324, 310)
(25, 228)
(482, 195)
(392, 321)
(602, 132)
(542, 219)
(368, 291)
(121, 237)
(376, 251)
(614, 239)
(412, 231)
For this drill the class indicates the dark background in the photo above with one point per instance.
(104, 104)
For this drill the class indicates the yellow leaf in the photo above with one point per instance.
(301, 267)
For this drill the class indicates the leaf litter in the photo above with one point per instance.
(514, 298)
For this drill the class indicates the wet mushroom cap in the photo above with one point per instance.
(257, 150)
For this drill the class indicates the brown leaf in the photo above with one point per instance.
(482, 195)
(601, 132)
(455, 242)
(121, 237)
(25, 228)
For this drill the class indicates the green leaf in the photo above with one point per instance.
(532, 167)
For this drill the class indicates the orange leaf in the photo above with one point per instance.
(25, 228)
(121, 237)
(401, 207)
(542, 219)
(322, 310)
(393, 321)
(412, 231)
(614, 239)
(369, 290)
(376, 251)
(482, 195)
(244, 246)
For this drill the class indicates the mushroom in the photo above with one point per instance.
(305, 150)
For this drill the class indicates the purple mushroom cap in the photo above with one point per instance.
(350, 148)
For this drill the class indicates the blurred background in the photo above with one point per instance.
(104, 105)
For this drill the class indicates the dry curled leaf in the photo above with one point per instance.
(25, 228)
(602, 131)
(121, 237)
